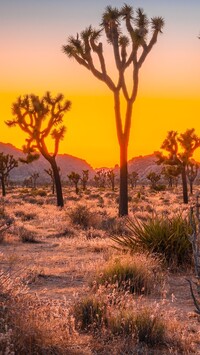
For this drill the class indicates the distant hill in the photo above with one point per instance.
(143, 165)
(67, 163)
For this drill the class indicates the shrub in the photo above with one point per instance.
(160, 235)
(89, 313)
(144, 324)
(38, 192)
(82, 216)
(138, 274)
(26, 235)
(25, 216)
(150, 328)
(114, 226)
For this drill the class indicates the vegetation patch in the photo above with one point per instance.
(138, 274)
(168, 237)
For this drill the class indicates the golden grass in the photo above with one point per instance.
(42, 282)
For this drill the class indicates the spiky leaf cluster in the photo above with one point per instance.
(39, 118)
(137, 27)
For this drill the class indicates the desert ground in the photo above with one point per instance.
(53, 267)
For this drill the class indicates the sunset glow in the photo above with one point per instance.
(32, 61)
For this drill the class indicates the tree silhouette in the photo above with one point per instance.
(180, 151)
(34, 176)
(84, 178)
(171, 173)
(130, 51)
(191, 172)
(133, 178)
(7, 163)
(100, 178)
(39, 118)
(51, 175)
(153, 178)
(111, 178)
(74, 177)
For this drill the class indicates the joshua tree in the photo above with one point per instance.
(74, 177)
(39, 118)
(84, 178)
(191, 172)
(188, 142)
(111, 178)
(86, 46)
(153, 178)
(100, 178)
(34, 177)
(171, 173)
(133, 178)
(7, 163)
(51, 175)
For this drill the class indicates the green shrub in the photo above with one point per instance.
(160, 235)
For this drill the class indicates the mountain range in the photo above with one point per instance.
(67, 163)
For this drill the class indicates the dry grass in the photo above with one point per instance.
(47, 305)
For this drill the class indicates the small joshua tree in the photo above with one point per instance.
(153, 178)
(75, 178)
(84, 178)
(191, 172)
(130, 51)
(100, 178)
(40, 118)
(34, 177)
(51, 175)
(133, 178)
(171, 173)
(111, 178)
(7, 163)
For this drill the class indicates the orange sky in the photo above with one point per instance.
(169, 90)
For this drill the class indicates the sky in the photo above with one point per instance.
(32, 33)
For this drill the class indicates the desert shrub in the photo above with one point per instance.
(24, 329)
(159, 187)
(89, 313)
(39, 192)
(145, 325)
(114, 226)
(160, 235)
(26, 236)
(25, 216)
(150, 328)
(138, 274)
(82, 216)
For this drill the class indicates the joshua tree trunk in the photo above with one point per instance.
(58, 186)
(3, 186)
(123, 197)
(184, 183)
(191, 187)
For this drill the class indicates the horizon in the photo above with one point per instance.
(169, 81)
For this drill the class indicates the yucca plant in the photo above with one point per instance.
(160, 235)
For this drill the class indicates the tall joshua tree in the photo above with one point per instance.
(129, 50)
(39, 118)
(7, 163)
